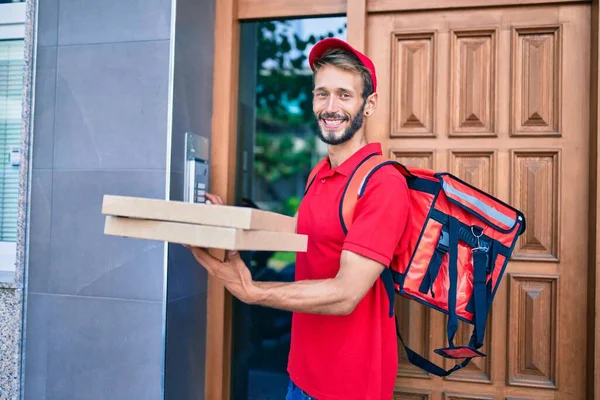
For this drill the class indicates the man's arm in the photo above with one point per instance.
(335, 296)
(381, 205)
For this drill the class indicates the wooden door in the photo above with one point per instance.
(499, 96)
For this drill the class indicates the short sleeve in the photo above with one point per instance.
(380, 216)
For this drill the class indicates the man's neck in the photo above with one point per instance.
(341, 152)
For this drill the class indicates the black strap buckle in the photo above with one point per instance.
(444, 241)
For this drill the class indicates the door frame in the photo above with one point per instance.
(228, 16)
(593, 327)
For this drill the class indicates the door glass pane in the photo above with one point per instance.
(277, 147)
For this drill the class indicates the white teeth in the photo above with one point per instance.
(333, 122)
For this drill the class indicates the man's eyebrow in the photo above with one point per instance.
(341, 89)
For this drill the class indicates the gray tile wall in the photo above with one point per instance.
(186, 281)
(96, 304)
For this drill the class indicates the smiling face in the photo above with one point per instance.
(342, 96)
(338, 104)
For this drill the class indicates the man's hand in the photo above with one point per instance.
(233, 272)
(213, 199)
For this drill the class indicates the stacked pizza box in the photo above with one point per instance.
(202, 225)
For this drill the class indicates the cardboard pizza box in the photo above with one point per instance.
(195, 213)
(216, 227)
(206, 236)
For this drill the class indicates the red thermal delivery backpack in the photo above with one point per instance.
(460, 244)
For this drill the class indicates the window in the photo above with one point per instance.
(11, 86)
(12, 51)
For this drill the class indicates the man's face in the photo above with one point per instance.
(338, 104)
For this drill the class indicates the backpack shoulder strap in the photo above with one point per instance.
(354, 189)
(313, 174)
(357, 183)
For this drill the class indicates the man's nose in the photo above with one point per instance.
(332, 105)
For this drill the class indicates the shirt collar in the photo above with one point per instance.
(348, 166)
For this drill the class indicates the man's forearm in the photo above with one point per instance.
(266, 285)
(311, 296)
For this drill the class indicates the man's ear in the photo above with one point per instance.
(371, 104)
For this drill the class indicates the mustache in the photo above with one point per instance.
(333, 115)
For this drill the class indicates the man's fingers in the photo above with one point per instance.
(201, 253)
(232, 253)
(204, 256)
(204, 259)
(214, 199)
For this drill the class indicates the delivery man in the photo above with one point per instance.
(343, 341)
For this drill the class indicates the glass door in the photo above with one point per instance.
(277, 147)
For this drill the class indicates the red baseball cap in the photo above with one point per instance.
(334, 43)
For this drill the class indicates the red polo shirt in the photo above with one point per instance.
(353, 356)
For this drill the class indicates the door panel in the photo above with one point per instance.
(499, 97)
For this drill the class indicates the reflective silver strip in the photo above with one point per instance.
(492, 212)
